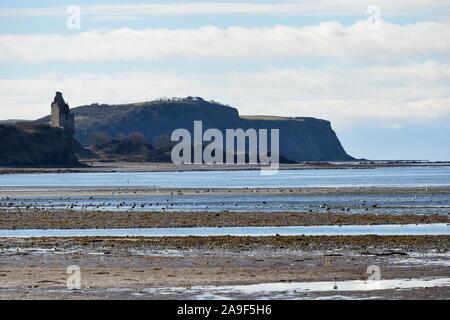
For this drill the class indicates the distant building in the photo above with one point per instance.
(61, 116)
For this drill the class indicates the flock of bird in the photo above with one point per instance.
(69, 203)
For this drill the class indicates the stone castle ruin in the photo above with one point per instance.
(61, 116)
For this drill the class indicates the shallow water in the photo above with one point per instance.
(373, 204)
(388, 177)
(291, 290)
(425, 259)
(412, 229)
(334, 290)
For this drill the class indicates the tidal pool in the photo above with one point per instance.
(348, 230)
(292, 290)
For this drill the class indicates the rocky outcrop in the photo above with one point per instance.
(301, 139)
(29, 144)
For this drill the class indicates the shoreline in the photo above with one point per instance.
(151, 267)
(12, 192)
(135, 268)
(105, 167)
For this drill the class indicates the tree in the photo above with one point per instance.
(143, 151)
(99, 138)
(137, 138)
(120, 136)
(163, 141)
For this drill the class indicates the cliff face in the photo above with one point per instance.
(28, 144)
(301, 139)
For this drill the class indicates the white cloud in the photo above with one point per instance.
(326, 40)
(305, 7)
(386, 95)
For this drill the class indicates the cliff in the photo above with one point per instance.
(301, 139)
(28, 144)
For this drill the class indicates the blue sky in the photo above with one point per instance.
(382, 80)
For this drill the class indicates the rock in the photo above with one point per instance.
(160, 118)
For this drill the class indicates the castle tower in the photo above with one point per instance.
(61, 116)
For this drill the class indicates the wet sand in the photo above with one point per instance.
(169, 267)
(147, 268)
(97, 166)
(10, 192)
(30, 219)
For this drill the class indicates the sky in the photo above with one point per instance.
(379, 70)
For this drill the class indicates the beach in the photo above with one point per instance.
(122, 166)
(335, 266)
(149, 268)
